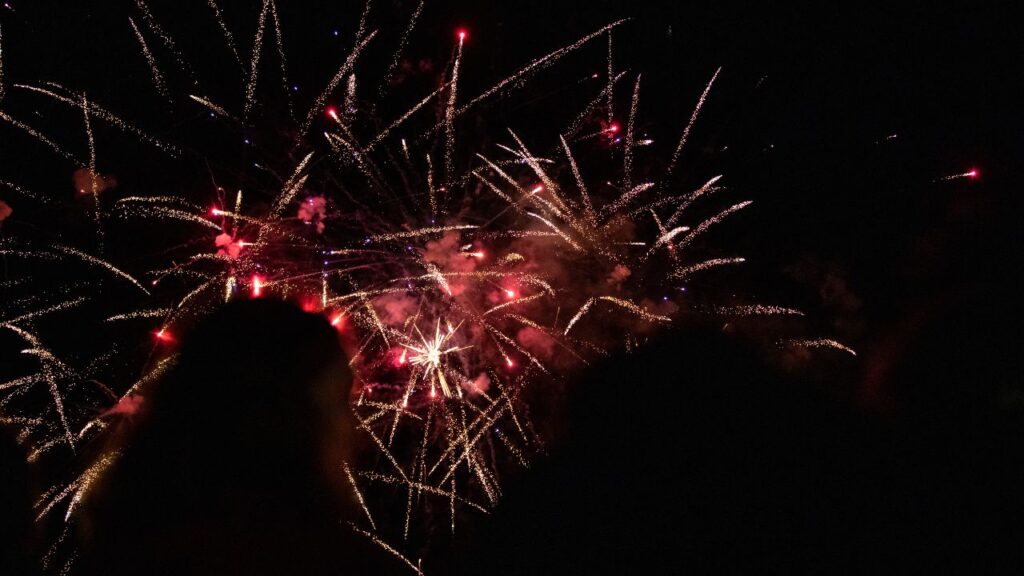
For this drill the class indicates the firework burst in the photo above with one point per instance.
(461, 274)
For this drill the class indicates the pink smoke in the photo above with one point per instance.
(395, 309)
(313, 211)
(445, 253)
(479, 385)
(619, 275)
(129, 405)
(536, 342)
(227, 246)
(83, 181)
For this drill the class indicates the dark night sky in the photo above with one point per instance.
(847, 224)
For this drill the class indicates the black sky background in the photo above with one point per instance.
(848, 222)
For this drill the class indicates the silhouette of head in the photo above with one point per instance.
(690, 455)
(258, 382)
(234, 462)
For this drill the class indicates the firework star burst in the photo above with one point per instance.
(465, 277)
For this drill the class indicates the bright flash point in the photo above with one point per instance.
(257, 286)
(431, 352)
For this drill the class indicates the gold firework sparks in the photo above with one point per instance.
(462, 285)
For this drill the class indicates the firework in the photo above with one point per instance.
(461, 290)
(972, 174)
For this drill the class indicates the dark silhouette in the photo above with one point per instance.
(18, 542)
(234, 463)
(693, 455)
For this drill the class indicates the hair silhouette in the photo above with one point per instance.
(17, 538)
(234, 464)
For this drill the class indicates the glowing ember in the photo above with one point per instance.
(257, 286)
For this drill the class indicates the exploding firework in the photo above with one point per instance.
(466, 274)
